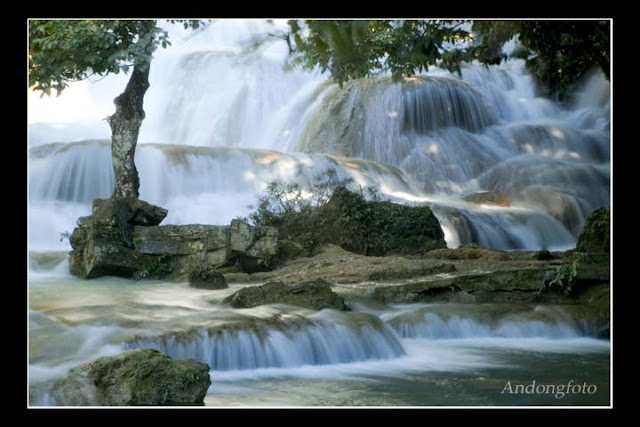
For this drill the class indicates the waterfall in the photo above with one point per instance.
(321, 339)
(224, 120)
(209, 185)
(486, 321)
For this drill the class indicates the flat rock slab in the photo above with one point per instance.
(505, 285)
(180, 239)
(337, 265)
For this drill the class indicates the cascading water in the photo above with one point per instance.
(435, 139)
(484, 133)
(322, 339)
(438, 322)
(499, 165)
(74, 321)
(196, 184)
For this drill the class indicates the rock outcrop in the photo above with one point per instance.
(595, 235)
(314, 294)
(372, 228)
(134, 378)
(169, 251)
(249, 245)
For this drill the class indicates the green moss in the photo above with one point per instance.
(595, 235)
(378, 228)
(289, 250)
(133, 378)
(314, 294)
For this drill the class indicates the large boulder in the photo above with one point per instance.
(595, 235)
(134, 378)
(372, 228)
(314, 294)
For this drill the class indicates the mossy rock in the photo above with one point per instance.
(134, 378)
(289, 250)
(372, 228)
(314, 294)
(595, 235)
(207, 279)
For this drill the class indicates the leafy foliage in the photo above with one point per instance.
(595, 236)
(356, 49)
(558, 53)
(565, 279)
(62, 51)
(281, 202)
(326, 212)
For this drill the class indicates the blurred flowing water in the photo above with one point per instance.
(279, 355)
(499, 165)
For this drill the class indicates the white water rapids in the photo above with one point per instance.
(222, 122)
(404, 346)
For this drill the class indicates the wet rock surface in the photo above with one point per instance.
(314, 294)
(134, 378)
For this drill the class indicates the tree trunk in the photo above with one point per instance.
(125, 125)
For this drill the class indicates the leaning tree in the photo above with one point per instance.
(64, 51)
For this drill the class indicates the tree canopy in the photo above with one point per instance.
(558, 53)
(62, 51)
(356, 49)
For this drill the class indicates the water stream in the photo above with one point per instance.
(415, 354)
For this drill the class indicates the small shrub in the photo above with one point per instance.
(565, 279)
(283, 201)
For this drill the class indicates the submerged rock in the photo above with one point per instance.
(313, 294)
(496, 198)
(134, 378)
(207, 279)
(595, 235)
